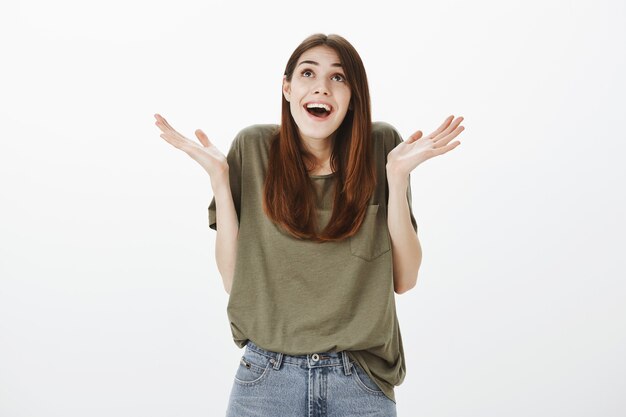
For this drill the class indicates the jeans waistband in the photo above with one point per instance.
(312, 360)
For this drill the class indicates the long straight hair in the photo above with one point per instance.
(289, 194)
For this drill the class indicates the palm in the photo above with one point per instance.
(206, 154)
(415, 150)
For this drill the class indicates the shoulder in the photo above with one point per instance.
(386, 133)
(257, 131)
(381, 126)
(384, 129)
(254, 137)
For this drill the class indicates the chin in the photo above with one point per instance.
(320, 133)
(316, 132)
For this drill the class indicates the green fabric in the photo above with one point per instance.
(299, 297)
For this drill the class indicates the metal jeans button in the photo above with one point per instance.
(315, 357)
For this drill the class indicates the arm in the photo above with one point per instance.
(401, 160)
(224, 171)
(405, 245)
(227, 229)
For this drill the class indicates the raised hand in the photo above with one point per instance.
(407, 155)
(208, 156)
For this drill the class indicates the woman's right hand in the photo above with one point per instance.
(208, 156)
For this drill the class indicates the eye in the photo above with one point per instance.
(305, 71)
(342, 79)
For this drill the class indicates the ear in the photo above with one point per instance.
(286, 88)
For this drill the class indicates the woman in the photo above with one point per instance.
(315, 234)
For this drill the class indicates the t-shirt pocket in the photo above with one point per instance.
(372, 239)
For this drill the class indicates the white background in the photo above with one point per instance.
(110, 299)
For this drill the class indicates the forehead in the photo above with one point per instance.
(322, 54)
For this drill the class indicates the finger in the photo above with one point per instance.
(445, 149)
(442, 127)
(162, 127)
(445, 137)
(449, 129)
(169, 130)
(159, 119)
(164, 122)
(172, 140)
(204, 140)
(169, 139)
(161, 124)
(415, 136)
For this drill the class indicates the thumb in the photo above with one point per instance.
(204, 140)
(415, 136)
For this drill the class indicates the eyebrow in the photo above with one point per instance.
(336, 64)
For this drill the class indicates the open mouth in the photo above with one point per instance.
(318, 112)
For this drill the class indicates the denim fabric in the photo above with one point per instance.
(323, 384)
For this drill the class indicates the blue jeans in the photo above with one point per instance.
(323, 384)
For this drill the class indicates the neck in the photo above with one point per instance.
(321, 150)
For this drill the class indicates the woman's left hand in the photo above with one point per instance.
(407, 155)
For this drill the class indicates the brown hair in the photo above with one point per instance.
(289, 194)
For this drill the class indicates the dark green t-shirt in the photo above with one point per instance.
(299, 297)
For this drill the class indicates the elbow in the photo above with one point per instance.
(407, 279)
(226, 271)
(228, 284)
(406, 271)
(401, 289)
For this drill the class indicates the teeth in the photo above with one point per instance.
(319, 105)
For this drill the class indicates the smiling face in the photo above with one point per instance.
(318, 81)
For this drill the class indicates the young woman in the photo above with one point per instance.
(315, 232)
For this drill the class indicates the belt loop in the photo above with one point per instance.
(278, 361)
(346, 362)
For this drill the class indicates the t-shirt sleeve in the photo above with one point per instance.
(397, 139)
(234, 174)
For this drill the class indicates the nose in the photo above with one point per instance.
(321, 87)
